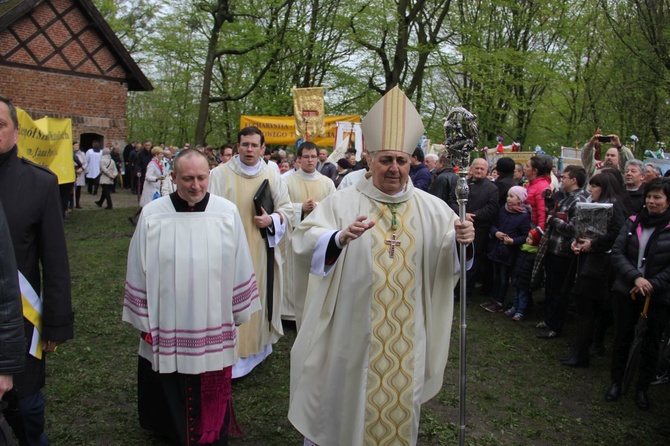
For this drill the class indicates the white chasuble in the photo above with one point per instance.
(301, 187)
(231, 182)
(374, 331)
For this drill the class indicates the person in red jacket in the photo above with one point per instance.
(537, 171)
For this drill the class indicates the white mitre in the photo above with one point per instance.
(392, 124)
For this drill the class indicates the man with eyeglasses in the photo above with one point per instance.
(239, 180)
(375, 268)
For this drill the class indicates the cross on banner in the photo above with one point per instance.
(392, 242)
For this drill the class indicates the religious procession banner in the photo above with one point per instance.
(349, 135)
(570, 156)
(492, 156)
(280, 130)
(48, 142)
(308, 110)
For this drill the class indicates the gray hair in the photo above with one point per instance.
(432, 156)
(636, 163)
(655, 168)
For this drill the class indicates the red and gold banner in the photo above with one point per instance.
(308, 110)
(280, 130)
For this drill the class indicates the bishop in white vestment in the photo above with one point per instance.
(374, 314)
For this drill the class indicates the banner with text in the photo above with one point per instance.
(48, 142)
(280, 130)
(308, 110)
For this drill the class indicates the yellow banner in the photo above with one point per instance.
(280, 130)
(519, 157)
(308, 110)
(48, 142)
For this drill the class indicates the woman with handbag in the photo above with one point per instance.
(641, 266)
(591, 288)
(108, 173)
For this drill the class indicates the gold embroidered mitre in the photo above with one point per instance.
(392, 124)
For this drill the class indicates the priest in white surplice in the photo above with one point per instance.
(374, 330)
(238, 180)
(306, 188)
(190, 281)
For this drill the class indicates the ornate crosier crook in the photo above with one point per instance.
(461, 135)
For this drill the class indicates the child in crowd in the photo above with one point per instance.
(509, 232)
(522, 273)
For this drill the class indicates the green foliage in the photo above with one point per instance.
(547, 72)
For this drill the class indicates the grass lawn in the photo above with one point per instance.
(517, 393)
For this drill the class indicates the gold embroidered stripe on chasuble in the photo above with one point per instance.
(390, 390)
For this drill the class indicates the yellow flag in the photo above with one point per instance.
(308, 109)
(280, 130)
(48, 142)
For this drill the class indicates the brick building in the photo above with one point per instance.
(60, 58)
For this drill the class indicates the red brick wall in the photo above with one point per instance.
(96, 102)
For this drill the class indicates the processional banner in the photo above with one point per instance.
(48, 142)
(349, 135)
(280, 130)
(308, 110)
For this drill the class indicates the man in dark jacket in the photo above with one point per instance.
(445, 181)
(127, 176)
(559, 256)
(505, 168)
(29, 193)
(633, 179)
(418, 172)
(11, 317)
(141, 163)
(481, 209)
(326, 167)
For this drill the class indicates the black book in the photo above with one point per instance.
(263, 198)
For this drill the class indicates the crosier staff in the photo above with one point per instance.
(461, 135)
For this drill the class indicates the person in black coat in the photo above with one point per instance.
(481, 209)
(142, 160)
(593, 271)
(29, 193)
(444, 184)
(636, 278)
(12, 338)
(127, 176)
(505, 168)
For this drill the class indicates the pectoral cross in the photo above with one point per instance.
(393, 243)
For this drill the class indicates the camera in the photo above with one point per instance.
(604, 139)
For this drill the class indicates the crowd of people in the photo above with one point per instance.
(541, 243)
(361, 253)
